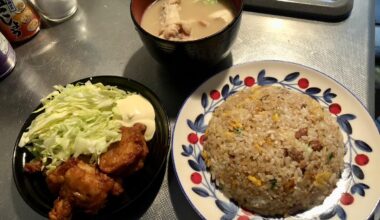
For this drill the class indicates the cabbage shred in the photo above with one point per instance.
(75, 120)
(210, 1)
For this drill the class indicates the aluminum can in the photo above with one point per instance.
(18, 20)
(7, 57)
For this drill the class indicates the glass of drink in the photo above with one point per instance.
(56, 10)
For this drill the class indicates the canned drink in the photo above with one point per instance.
(18, 20)
(7, 57)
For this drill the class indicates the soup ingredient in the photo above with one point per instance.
(127, 155)
(80, 185)
(277, 163)
(171, 25)
(183, 20)
(136, 109)
(76, 119)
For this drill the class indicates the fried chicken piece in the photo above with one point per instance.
(87, 188)
(56, 178)
(33, 166)
(61, 210)
(127, 155)
(80, 186)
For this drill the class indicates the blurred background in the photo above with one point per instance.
(377, 67)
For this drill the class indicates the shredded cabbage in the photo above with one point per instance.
(76, 119)
(210, 1)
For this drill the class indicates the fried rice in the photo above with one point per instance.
(274, 151)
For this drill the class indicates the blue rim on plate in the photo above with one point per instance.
(356, 190)
(33, 189)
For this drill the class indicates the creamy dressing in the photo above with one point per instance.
(136, 109)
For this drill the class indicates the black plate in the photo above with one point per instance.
(33, 188)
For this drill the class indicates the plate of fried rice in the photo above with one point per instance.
(276, 140)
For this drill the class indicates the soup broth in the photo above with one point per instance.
(184, 20)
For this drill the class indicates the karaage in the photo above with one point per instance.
(127, 155)
(81, 186)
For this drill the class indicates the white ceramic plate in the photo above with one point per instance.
(357, 191)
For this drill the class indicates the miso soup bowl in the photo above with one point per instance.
(203, 52)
